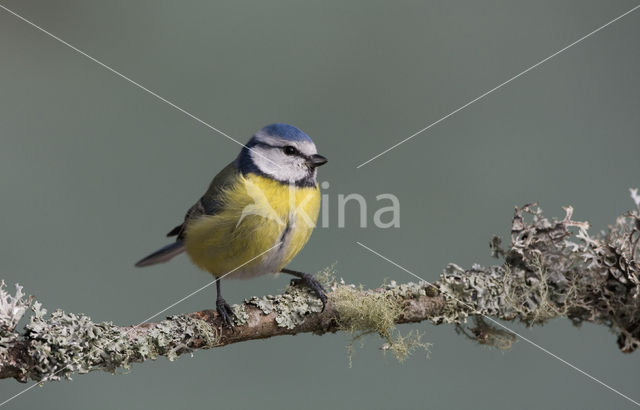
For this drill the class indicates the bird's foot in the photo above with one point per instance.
(312, 283)
(225, 312)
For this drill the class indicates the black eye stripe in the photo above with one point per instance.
(292, 150)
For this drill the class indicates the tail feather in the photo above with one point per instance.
(162, 255)
(175, 231)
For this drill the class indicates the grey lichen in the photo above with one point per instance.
(291, 307)
(410, 289)
(546, 275)
(62, 343)
(176, 336)
(66, 343)
(240, 315)
(12, 308)
(476, 291)
(596, 279)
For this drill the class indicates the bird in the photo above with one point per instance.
(256, 215)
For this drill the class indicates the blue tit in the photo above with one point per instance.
(257, 214)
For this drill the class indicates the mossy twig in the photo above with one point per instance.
(552, 268)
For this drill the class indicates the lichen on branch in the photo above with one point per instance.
(551, 269)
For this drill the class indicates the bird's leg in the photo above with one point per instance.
(310, 282)
(223, 308)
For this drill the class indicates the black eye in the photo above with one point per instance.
(289, 150)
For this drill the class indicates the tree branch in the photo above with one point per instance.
(551, 269)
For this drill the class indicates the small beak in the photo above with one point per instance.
(316, 160)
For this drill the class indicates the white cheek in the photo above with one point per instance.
(278, 165)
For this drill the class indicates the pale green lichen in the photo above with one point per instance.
(405, 345)
(361, 313)
(327, 276)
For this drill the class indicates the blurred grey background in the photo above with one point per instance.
(93, 173)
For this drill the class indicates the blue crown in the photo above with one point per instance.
(287, 132)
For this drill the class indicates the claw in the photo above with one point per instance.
(225, 312)
(313, 284)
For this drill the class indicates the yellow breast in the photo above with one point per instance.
(258, 215)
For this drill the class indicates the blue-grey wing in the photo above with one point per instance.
(210, 203)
